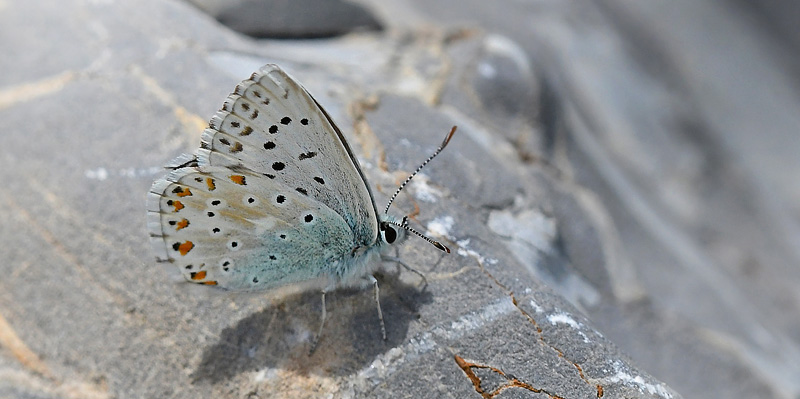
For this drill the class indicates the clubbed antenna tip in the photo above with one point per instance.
(441, 246)
(446, 139)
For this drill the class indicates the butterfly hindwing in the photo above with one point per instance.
(272, 126)
(241, 230)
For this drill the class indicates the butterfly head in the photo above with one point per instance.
(393, 232)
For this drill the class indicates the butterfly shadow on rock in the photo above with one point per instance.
(280, 336)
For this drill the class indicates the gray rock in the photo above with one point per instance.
(587, 206)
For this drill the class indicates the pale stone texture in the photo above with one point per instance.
(618, 180)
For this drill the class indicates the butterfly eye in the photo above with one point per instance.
(389, 234)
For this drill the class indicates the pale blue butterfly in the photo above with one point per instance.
(273, 197)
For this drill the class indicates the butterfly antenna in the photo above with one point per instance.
(404, 225)
(408, 179)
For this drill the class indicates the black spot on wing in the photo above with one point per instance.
(307, 155)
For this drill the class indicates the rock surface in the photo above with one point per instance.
(619, 179)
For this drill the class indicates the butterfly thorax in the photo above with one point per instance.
(364, 259)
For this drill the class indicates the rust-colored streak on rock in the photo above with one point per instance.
(538, 328)
(512, 382)
(467, 368)
(519, 384)
(415, 212)
(366, 138)
(580, 371)
(11, 341)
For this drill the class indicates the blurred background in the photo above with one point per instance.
(667, 132)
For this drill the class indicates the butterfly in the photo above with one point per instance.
(274, 197)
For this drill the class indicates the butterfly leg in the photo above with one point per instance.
(378, 302)
(321, 325)
(387, 258)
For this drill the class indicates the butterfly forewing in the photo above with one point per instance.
(272, 126)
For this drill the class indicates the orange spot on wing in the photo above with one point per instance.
(177, 205)
(210, 183)
(185, 247)
(198, 275)
(238, 179)
(185, 192)
(210, 282)
(182, 224)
